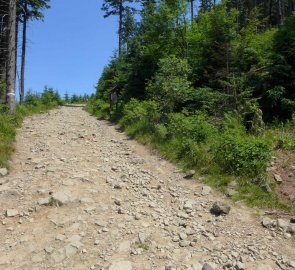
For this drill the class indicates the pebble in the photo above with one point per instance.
(3, 172)
(189, 174)
(121, 265)
(264, 267)
(278, 178)
(219, 208)
(12, 213)
(205, 190)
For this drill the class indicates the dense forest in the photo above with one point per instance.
(209, 84)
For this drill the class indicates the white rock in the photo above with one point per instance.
(60, 237)
(12, 213)
(143, 237)
(284, 224)
(267, 222)
(44, 201)
(278, 178)
(3, 172)
(101, 223)
(123, 265)
(292, 264)
(206, 190)
(61, 198)
(58, 256)
(264, 267)
(124, 246)
(197, 266)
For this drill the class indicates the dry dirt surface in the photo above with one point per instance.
(81, 195)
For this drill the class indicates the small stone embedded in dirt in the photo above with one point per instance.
(220, 208)
(49, 250)
(207, 266)
(264, 267)
(292, 220)
(101, 223)
(292, 264)
(143, 237)
(60, 198)
(240, 266)
(206, 190)
(11, 213)
(184, 243)
(123, 265)
(44, 201)
(124, 246)
(188, 205)
(283, 224)
(189, 174)
(278, 178)
(60, 237)
(197, 266)
(58, 256)
(3, 172)
(267, 222)
(117, 202)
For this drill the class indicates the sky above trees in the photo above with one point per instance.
(70, 48)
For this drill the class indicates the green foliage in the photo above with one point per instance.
(136, 111)
(195, 127)
(50, 97)
(170, 86)
(98, 107)
(239, 154)
(206, 91)
(279, 100)
(2, 90)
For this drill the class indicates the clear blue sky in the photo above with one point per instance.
(70, 48)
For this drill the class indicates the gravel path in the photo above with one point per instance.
(81, 195)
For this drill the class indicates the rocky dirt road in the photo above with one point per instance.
(81, 195)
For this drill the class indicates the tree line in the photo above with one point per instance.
(14, 16)
(233, 55)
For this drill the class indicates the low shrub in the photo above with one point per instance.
(136, 111)
(246, 156)
(98, 107)
(195, 127)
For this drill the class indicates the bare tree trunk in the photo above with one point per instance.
(10, 75)
(23, 61)
(270, 11)
(120, 26)
(192, 12)
(290, 7)
(280, 18)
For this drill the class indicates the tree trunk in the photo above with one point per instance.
(270, 12)
(280, 15)
(192, 12)
(10, 75)
(16, 41)
(23, 61)
(120, 26)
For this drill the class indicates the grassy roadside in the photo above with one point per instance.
(34, 103)
(221, 154)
